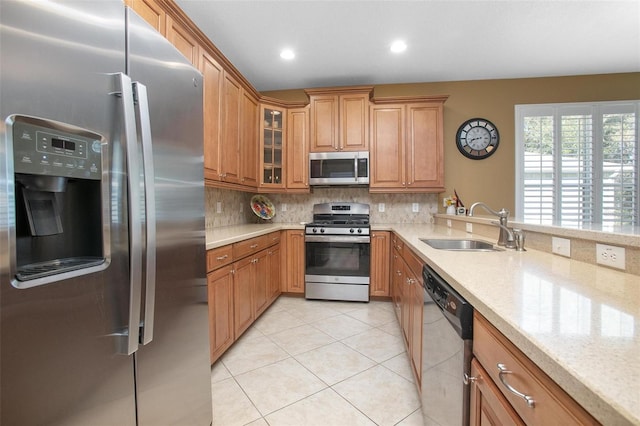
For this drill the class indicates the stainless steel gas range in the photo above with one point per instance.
(337, 248)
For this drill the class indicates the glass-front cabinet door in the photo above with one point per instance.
(272, 148)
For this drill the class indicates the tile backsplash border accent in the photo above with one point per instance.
(398, 208)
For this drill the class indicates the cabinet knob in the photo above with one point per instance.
(468, 379)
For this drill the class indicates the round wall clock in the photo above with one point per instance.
(477, 138)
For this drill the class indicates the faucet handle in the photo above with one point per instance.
(519, 236)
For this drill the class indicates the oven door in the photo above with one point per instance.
(344, 259)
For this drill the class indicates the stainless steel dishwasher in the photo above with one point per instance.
(447, 349)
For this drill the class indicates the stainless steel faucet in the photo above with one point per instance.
(506, 237)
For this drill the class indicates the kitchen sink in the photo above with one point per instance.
(459, 245)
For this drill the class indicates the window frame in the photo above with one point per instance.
(596, 110)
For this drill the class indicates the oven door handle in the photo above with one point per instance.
(364, 239)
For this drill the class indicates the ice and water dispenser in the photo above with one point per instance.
(61, 201)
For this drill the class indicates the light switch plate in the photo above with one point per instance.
(610, 256)
(561, 246)
(218, 206)
(381, 207)
(283, 207)
(469, 227)
(415, 207)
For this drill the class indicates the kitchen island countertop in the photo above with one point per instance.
(578, 322)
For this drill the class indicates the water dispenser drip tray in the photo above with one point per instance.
(56, 266)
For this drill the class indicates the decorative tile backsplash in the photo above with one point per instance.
(398, 208)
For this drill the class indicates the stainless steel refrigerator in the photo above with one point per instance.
(103, 297)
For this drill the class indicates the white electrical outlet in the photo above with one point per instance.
(610, 256)
(381, 207)
(415, 207)
(283, 207)
(561, 246)
(218, 206)
(448, 223)
(241, 207)
(469, 227)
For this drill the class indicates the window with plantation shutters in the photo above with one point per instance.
(578, 164)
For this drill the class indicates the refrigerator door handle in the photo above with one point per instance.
(146, 324)
(132, 334)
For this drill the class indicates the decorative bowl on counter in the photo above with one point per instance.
(262, 207)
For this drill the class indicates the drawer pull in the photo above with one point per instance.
(222, 257)
(502, 370)
(253, 246)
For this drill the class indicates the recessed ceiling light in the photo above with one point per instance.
(287, 54)
(398, 46)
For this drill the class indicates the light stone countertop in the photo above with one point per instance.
(578, 322)
(218, 237)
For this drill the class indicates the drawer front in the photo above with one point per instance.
(551, 405)
(248, 247)
(273, 238)
(219, 257)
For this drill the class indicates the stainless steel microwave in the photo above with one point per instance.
(339, 168)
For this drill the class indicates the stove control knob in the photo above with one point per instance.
(352, 230)
(359, 231)
(322, 230)
(315, 230)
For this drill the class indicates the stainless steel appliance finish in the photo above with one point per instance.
(447, 349)
(339, 168)
(337, 252)
(125, 342)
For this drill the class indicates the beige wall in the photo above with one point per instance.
(492, 180)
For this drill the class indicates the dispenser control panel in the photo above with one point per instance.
(54, 149)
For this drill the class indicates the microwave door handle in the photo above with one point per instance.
(147, 321)
(355, 168)
(135, 229)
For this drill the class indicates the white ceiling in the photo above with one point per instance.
(347, 42)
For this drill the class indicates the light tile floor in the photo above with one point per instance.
(307, 362)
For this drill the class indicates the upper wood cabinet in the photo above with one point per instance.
(249, 140)
(212, 74)
(151, 12)
(339, 118)
(272, 147)
(230, 130)
(297, 165)
(407, 145)
(183, 39)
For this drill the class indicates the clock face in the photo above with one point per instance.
(477, 138)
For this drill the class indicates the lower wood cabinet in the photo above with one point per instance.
(242, 283)
(274, 274)
(550, 405)
(380, 244)
(488, 405)
(294, 261)
(408, 298)
(243, 295)
(220, 299)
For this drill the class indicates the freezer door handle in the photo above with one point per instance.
(142, 112)
(135, 228)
